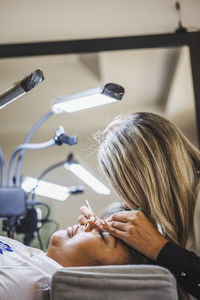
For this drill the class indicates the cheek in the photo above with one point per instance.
(113, 256)
(79, 251)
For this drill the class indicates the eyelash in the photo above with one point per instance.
(101, 234)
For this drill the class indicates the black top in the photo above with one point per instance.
(184, 265)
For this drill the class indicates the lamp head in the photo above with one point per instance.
(113, 90)
(85, 175)
(108, 93)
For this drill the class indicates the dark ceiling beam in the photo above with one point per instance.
(97, 45)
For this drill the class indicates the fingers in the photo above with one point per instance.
(125, 216)
(82, 220)
(90, 224)
(86, 212)
(114, 231)
(116, 225)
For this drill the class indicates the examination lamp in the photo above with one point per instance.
(110, 91)
(85, 176)
(95, 97)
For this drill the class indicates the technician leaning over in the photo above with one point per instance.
(152, 166)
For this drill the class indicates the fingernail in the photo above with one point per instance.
(102, 222)
(105, 223)
(98, 223)
(92, 219)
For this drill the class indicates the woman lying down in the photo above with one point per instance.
(25, 272)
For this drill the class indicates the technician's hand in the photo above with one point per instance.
(87, 214)
(135, 229)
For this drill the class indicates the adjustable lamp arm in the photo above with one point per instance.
(72, 189)
(25, 147)
(27, 140)
(3, 169)
(43, 174)
(59, 139)
(51, 168)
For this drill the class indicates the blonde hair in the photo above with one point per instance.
(152, 165)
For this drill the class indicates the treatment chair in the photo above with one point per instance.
(130, 282)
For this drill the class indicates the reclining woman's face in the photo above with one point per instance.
(86, 246)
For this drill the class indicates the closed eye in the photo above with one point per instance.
(101, 234)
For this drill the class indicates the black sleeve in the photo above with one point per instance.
(184, 265)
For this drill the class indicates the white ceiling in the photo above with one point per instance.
(156, 80)
(25, 20)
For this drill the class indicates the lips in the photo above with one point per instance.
(70, 232)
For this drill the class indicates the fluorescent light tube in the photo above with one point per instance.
(45, 189)
(95, 97)
(84, 103)
(87, 177)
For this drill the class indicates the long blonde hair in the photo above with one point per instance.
(152, 165)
